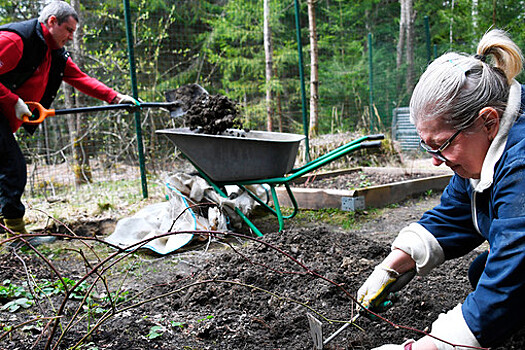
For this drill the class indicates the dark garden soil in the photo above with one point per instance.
(204, 113)
(236, 293)
(253, 295)
(358, 179)
(213, 114)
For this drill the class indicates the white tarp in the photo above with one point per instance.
(176, 214)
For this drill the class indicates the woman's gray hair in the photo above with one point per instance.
(60, 9)
(457, 86)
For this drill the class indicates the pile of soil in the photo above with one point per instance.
(213, 114)
(208, 114)
(255, 295)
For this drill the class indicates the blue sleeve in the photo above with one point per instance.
(451, 221)
(495, 309)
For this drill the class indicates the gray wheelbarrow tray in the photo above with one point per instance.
(242, 158)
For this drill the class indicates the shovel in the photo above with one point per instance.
(179, 102)
(40, 113)
(316, 330)
(184, 96)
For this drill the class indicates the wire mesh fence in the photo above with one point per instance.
(220, 46)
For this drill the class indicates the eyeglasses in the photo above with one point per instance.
(437, 152)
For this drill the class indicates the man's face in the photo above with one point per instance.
(61, 33)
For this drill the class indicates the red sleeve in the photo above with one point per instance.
(11, 49)
(86, 84)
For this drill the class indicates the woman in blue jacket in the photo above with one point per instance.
(469, 115)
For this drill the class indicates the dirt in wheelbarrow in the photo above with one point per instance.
(213, 114)
(243, 293)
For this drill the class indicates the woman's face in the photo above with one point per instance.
(467, 151)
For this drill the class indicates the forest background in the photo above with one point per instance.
(360, 60)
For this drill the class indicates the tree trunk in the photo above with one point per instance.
(494, 13)
(410, 46)
(278, 104)
(314, 71)
(269, 65)
(451, 25)
(400, 51)
(475, 14)
(81, 166)
(405, 45)
(402, 32)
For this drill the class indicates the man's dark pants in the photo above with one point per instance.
(13, 173)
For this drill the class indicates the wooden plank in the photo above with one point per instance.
(313, 198)
(375, 196)
(381, 195)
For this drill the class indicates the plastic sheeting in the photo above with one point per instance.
(184, 192)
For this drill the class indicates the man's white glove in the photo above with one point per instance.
(374, 293)
(126, 99)
(21, 109)
(403, 346)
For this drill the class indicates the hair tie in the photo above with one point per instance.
(482, 58)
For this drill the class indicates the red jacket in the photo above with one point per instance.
(11, 49)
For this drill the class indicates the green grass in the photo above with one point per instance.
(102, 199)
(348, 220)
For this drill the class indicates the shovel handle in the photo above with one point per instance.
(43, 113)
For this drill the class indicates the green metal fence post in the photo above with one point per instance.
(301, 75)
(370, 82)
(427, 36)
(131, 54)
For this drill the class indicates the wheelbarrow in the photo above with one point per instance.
(242, 158)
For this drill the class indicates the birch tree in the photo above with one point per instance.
(475, 13)
(410, 45)
(314, 70)
(405, 44)
(268, 52)
(451, 24)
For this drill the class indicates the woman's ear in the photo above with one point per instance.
(490, 121)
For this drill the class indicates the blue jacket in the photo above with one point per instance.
(465, 218)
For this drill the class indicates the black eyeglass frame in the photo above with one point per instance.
(437, 152)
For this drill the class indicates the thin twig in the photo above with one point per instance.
(108, 262)
(36, 319)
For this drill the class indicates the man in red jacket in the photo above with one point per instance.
(33, 63)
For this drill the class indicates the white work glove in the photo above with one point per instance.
(453, 328)
(126, 99)
(396, 347)
(21, 109)
(374, 293)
